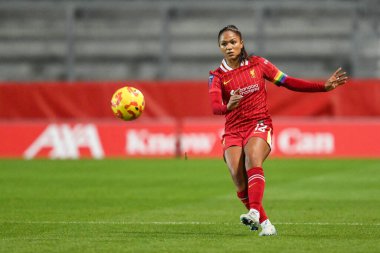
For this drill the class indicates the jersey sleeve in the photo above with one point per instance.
(214, 82)
(276, 76)
(215, 93)
(272, 73)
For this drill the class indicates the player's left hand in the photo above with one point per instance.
(338, 78)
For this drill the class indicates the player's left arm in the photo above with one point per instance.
(273, 74)
(339, 77)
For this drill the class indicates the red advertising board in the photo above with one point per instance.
(327, 138)
(191, 138)
(175, 99)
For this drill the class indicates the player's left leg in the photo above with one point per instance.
(267, 229)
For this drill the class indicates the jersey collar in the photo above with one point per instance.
(224, 66)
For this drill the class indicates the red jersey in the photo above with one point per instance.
(250, 78)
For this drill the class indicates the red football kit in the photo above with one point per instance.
(250, 118)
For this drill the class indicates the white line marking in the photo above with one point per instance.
(184, 223)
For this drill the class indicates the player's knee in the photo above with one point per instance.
(252, 161)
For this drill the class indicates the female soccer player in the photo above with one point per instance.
(237, 90)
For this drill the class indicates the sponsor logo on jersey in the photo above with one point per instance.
(249, 89)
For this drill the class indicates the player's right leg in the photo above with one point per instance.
(234, 157)
(251, 219)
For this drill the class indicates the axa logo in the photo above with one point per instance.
(65, 142)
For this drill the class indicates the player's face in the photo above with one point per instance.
(230, 45)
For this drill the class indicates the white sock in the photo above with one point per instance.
(265, 223)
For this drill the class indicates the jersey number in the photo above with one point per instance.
(261, 127)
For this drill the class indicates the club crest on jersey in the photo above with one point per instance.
(252, 73)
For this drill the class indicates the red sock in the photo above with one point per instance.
(263, 215)
(243, 196)
(256, 185)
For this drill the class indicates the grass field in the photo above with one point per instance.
(185, 206)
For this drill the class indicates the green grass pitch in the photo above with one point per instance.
(185, 206)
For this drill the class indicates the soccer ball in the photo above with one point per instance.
(127, 103)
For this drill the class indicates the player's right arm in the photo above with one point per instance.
(215, 92)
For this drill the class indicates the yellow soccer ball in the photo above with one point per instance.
(128, 103)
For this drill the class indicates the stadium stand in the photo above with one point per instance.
(118, 40)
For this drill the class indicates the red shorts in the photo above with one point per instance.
(262, 129)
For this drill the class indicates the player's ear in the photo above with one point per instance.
(242, 44)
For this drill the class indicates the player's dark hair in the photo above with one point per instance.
(234, 29)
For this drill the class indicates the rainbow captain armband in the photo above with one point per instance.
(279, 78)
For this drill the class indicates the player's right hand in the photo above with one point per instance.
(234, 100)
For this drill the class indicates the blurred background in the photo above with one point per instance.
(139, 40)
(61, 61)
